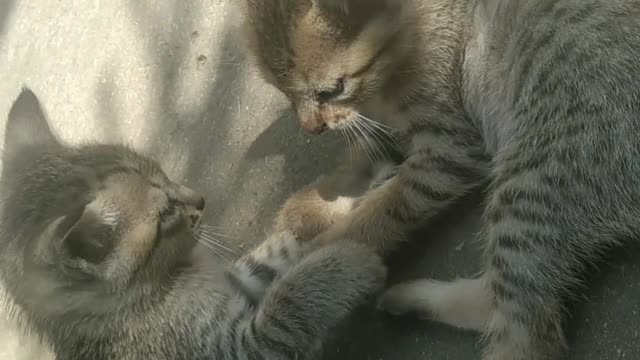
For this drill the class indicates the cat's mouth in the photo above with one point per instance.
(195, 223)
(358, 126)
(193, 220)
(341, 124)
(316, 117)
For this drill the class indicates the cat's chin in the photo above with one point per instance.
(346, 123)
(342, 125)
(192, 240)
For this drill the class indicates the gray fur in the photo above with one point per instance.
(97, 260)
(553, 87)
(547, 90)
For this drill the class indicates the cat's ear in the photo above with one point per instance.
(27, 124)
(85, 234)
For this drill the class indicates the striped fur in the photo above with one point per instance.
(124, 282)
(538, 99)
(420, 102)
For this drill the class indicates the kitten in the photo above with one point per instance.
(537, 99)
(344, 63)
(98, 261)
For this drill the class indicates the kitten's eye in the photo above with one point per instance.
(327, 95)
(170, 210)
(170, 217)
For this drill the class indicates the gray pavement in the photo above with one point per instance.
(168, 77)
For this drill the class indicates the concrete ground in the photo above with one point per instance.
(168, 77)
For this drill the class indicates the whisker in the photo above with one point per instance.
(218, 243)
(362, 143)
(387, 132)
(210, 231)
(216, 250)
(375, 151)
(354, 139)
(219, 227)
(344, 137)
(379, 124)
(345, 134)
(213, 249)
(381, 139)
(386, 137)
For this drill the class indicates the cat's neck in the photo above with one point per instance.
(431, 70)
(444, 30)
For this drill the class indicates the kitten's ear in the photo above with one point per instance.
(27, 124)
(84, 234)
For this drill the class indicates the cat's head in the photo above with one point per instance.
(88, 218)
(330, 57)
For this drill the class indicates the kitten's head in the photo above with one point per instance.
(328, 56)
(90, 219)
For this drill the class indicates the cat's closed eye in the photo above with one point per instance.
(170, 215)
(332, 93)
(170, 209)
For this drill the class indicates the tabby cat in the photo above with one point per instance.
(97, 257)
(538, 100)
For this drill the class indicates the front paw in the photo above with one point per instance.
(463, 303)
(401, 300)
(307, 213)
(338, 232)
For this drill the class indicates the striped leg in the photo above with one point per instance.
(534, 261)
(541, 233)
(539, 238)
(441, 167)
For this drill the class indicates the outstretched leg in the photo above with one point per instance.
(540, 236)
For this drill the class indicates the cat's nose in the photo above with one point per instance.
(200, 203)
(194, 211)
(317, 128)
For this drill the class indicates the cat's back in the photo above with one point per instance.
(516, 16)
(543, 55)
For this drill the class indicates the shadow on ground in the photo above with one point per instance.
(201, 143)
(304, 159)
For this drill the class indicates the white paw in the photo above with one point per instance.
(463, 303)
(402, 299)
